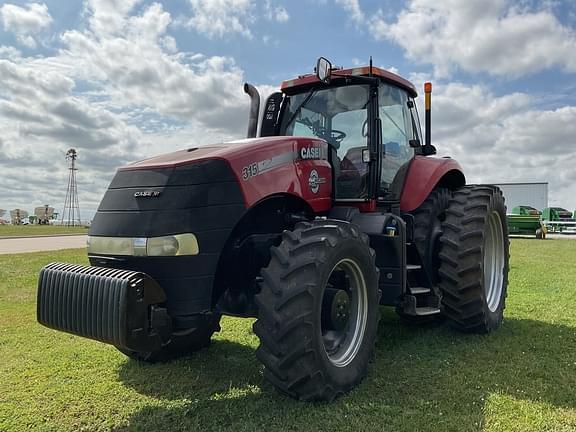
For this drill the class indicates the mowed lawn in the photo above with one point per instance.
(32, 230)
(520, 378)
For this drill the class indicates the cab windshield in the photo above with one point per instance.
(333, 114)
(339, 116)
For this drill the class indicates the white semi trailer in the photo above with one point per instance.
(526, 194)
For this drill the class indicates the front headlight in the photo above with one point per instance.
(173, 245)
(111, 245)
(179, 244)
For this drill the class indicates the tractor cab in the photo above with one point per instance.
(366, 115)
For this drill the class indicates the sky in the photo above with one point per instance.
(123, 80)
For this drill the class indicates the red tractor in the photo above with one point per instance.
(335, 209)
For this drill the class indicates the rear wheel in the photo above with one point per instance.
(318, 311)
(474, 259)
(428, 219)
(182, 343)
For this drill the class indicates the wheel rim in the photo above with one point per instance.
(493, 261)
(344, 316)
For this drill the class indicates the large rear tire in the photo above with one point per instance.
(474, 259)
(181, 344)
(318, 311)
(428, 219)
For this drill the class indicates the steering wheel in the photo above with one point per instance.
(333, 137)
(337, 135)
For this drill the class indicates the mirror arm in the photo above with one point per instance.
(355, 79)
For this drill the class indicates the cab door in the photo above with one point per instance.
(397, 132)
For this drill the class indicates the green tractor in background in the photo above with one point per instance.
(557, 219)
(526, 220)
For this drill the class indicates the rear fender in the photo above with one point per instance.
(426, 173)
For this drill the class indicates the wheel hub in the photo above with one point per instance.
(344, 309)
(340, 310)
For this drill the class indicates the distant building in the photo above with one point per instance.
(529, 194)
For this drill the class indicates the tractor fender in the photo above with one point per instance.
(426, 173)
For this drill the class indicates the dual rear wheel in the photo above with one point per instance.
(462, 238)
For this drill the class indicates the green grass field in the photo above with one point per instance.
(520, 378)
(32, 230)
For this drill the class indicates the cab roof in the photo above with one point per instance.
(305, 81)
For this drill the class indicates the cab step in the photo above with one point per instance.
(426, 311)
(411, 306)
(419, 290)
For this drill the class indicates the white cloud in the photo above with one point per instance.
(138, 70)
(25, 22)
(478, 35)
(281, 14)
(108, 17)
(218, 18)
(276, 13)
(352, 7)
(9, 52)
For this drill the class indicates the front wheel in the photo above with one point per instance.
(318, 311)
(474, 259)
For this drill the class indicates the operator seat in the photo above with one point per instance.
(351, 180)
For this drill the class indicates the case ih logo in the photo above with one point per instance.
(146, 194)
(314, 181)
(313, 153)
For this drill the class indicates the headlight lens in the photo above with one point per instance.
(110, 245)
(162, 246)
(174, 245)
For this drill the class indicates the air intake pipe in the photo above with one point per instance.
(251, 91)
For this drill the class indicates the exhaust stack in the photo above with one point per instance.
(251, 91)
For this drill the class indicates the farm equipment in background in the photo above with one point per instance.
(526, 220)
(2, 213)
(558, 219)
(44, 214)
(19, 217)
(337, 207)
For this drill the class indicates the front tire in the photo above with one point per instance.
(318, 311)
(474, 259)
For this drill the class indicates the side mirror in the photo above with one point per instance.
(323, 70)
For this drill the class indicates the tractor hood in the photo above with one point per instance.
(251, 150)
(261, 167)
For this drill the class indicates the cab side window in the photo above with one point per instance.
(397, 130)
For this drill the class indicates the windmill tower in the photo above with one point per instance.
(71, 213)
